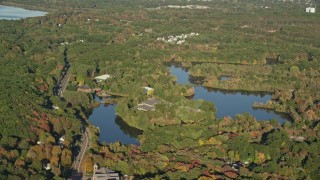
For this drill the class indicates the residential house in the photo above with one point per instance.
(148, 105)
(148, 90)
(97, 89)
(84, 88)
(310, 10)
(102, 93)
(55, 107)
(148, 30)
(104, 173)
(47, 166)
(61, 139)
(102, 78)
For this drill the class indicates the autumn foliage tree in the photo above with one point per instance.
(87, 165)
(66, 157)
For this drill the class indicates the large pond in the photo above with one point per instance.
(112, 128)
(14, 13)
(230, 103)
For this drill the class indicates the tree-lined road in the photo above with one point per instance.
(64, 82)
(77, 174)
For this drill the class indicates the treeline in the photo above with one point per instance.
(182, 138)
(31, 128)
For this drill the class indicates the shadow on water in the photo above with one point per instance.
(126, 129)
(235, 92)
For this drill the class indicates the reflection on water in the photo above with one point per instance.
(112, 128)
(230, 103)
(126, 129)
(235, 92)
(14, 13)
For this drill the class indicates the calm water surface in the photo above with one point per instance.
(112, 128)
(14, 13)
(230, 103)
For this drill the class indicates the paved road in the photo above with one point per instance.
(64, 83)
(77, 171)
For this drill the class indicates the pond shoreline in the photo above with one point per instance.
(25, 6)
(225, 99)
(112, 128)
(15, 13)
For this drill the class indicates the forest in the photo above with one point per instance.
(267, 46)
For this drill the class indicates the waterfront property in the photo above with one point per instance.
(84, 88)
(148, 105)
(148, 90)
(102, 93)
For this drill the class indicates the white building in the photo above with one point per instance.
(102, 78)
(310, 10)
(55, 107)
(61, 140)
(47, 166)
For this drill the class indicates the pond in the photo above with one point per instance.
(230, 103)
(14, 13)
(112, 128)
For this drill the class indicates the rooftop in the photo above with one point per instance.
(150, 102)
(84, 87)
(104, 173)
(147, 105)
(103, 77)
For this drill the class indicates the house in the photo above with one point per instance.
(97, 89)
(61, 140)
(84, 88)
(148, 90)
(148, 30)
(102, 93)
(102, 78)
(104, 173)
(47, 166)
(147, 105)
(310, 10)
(55, 107)
(298, 138)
